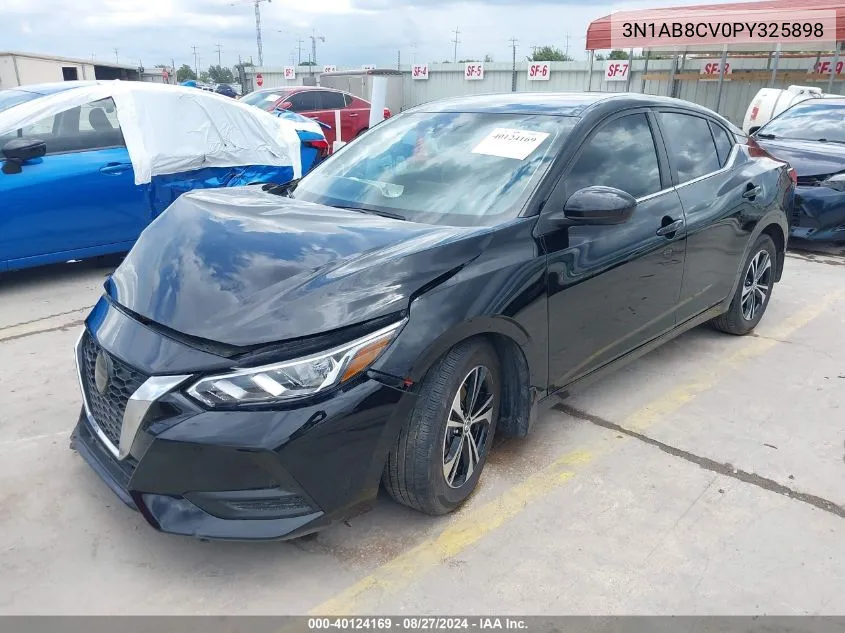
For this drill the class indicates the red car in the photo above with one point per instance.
(344, 116)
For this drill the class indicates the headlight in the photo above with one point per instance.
(294, 379)
(836, 181)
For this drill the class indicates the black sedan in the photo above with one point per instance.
(266, 357)
(810, 136)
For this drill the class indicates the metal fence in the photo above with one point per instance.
(749, 74)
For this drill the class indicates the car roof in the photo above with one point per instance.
(554, 103)
(302, 88)
(51, 88)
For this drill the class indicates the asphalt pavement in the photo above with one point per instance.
(705, 478)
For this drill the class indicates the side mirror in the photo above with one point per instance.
(19, 150)
(753, 129)
(285, 105)
(599, 206)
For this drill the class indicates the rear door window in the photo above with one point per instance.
(305, 101)
(690, 145)
(724, 144)
(331, 100)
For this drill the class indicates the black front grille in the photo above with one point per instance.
(107, 408)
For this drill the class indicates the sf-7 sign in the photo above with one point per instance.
(616, 70)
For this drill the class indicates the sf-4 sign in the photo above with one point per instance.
(539, 72)
(474, 71)
(616, 70)
(419, 71)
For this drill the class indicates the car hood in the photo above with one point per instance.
(809, 158)
(244, 267)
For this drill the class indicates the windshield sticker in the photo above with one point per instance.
(272, 97)
(509, 143)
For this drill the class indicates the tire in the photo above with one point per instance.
(743, 315)
(417, 473)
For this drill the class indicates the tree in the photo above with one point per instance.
(617, 53)
(308, 62)
(549, 54)
(467, 61)
(184, 73)
(488, 58)
(220, 75)
(204, 76)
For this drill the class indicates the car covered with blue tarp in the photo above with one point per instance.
(87, 166)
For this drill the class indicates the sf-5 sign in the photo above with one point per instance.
(474, 71)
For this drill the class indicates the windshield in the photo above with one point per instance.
(463, 169)
(809, 121)
(9, 98)
(262, 99)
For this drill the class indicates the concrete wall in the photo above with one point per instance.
(34, 70)
(447, 80)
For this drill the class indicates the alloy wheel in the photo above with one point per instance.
(756, 285)
(468, 427)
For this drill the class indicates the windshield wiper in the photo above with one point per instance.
(384, 214)
(765, 135)
(829, 140)
(283, 189)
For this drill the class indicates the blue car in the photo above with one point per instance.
(70, 188)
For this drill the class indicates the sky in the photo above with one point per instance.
(356, 32)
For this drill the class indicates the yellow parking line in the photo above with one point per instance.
(472, 524)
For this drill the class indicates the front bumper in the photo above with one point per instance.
(245, 474)
(819, 214)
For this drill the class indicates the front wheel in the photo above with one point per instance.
(440, 453)
(755, 289)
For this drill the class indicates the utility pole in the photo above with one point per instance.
(399, 59)
(257, 4)
(116, 60)
(456, 41)
(219, 49)
(513, 42)
(173, 67)
(196, 62)
(299, 42)
(566, 50)
(314, 37)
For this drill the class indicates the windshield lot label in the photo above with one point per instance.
(509, 143)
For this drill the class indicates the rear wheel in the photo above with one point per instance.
(440, 453)
(755, 289)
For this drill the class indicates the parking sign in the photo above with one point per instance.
(420, 71)
(474, 71)
(616, 70)
(540, 71)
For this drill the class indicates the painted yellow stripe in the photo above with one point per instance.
(472, 524)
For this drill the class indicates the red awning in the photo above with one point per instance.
(599, 31)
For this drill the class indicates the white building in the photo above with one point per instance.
(21, 69)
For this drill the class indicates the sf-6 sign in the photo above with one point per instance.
(474, 71)
(539, 72)
(616, 70)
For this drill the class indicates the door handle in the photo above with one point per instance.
(752, 191)
(115, 168)
(353, 114)
(671, 228)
